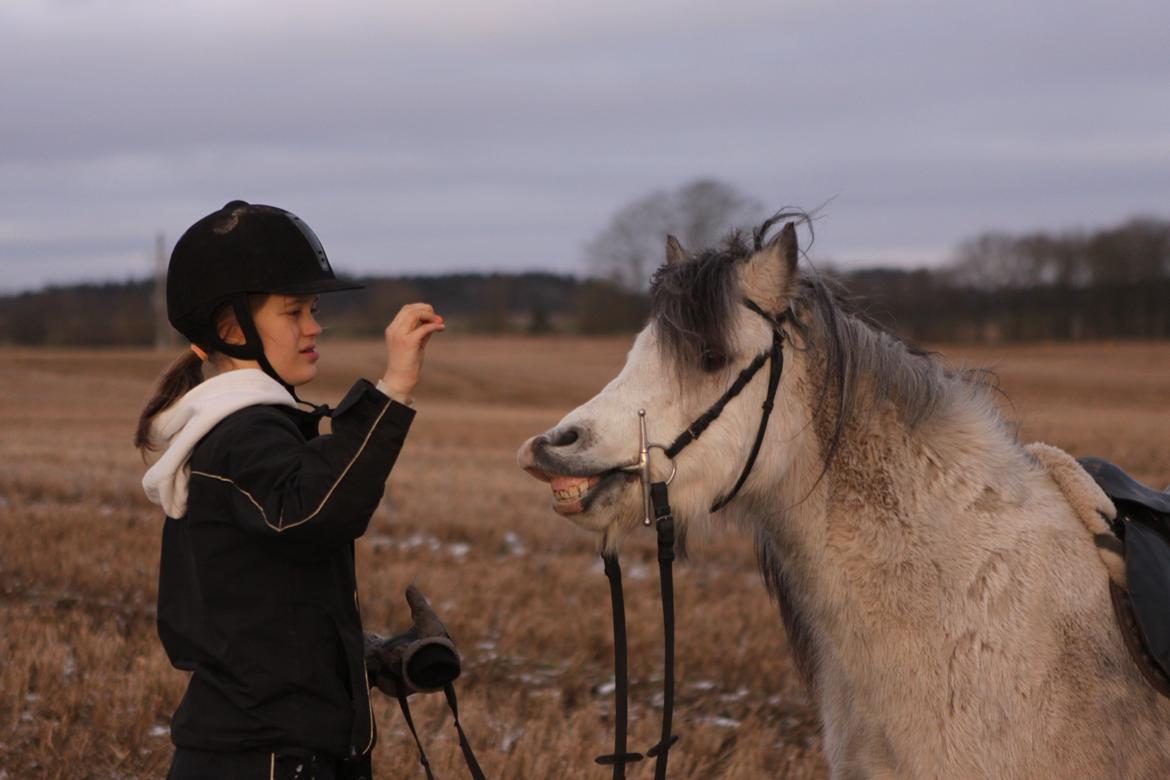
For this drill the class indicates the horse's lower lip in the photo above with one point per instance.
(566, 508)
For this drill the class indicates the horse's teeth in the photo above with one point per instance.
(576, 491)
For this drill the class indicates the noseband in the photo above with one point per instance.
(657, 512)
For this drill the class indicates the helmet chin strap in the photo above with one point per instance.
(253, 349)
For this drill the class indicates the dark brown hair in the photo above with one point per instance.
(182, 375)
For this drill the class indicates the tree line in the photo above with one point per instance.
(121, 313)
(1112, 283)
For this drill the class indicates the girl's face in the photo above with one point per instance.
(289, 331)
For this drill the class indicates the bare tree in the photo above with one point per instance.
(700, 213)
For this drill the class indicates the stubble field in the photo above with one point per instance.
(86, 690)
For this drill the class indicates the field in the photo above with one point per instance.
(86, 691)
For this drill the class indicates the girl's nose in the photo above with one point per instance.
(314, 328)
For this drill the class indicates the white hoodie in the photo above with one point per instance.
(178, 428)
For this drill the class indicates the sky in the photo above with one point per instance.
(473, 136)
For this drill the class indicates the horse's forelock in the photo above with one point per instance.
(691, 302)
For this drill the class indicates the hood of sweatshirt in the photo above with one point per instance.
(179, 427)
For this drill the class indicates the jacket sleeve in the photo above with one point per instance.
(322, 490)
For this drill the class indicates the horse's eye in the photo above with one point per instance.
(711, 360)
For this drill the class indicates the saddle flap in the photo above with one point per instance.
(1147, 573)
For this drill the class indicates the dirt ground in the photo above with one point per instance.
(86, 690)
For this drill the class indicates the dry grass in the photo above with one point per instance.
(86, 691)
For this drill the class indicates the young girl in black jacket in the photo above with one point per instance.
(257, 597)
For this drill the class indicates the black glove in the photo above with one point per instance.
(421, 659)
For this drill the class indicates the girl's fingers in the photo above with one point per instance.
(408, 321)
(424, 333)
(421, 326)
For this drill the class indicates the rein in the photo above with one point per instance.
(656, 506)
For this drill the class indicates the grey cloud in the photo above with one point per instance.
(504, 135)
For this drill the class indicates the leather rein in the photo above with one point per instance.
(656, 505)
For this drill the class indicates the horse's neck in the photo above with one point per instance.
(871, 538)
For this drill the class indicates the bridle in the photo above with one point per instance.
(657, 512)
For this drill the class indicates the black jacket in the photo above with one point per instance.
(257, 597)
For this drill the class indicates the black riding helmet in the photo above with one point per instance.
(243, 248)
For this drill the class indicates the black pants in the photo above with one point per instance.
(189, 764)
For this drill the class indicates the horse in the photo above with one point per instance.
(938, 580)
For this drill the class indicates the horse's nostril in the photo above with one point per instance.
(563, 437)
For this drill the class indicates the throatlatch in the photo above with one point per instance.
(657, 511)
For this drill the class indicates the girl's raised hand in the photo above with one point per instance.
(406, 340)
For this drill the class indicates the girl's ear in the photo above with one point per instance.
(227, 326)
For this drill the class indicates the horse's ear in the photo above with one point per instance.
(770, 275)
(789, 250)
(674, 251)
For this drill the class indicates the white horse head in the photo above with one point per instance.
(939, 581)
(701, 335)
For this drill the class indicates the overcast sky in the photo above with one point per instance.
(472, 135)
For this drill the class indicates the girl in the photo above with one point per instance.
(257, 596)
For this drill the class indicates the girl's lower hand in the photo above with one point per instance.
(406, 341)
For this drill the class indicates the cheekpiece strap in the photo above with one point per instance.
(695, 429)
(776, 370)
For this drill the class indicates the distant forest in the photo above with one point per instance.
(1107, 284)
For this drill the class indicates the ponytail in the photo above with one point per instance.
(182, 375)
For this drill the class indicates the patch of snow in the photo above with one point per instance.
(509, 740)
(715, 720)
(379, 541)
(638, 572)
(515, 544)
(736, 695)
(158, 731)
(605, 689)
(419, 539)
